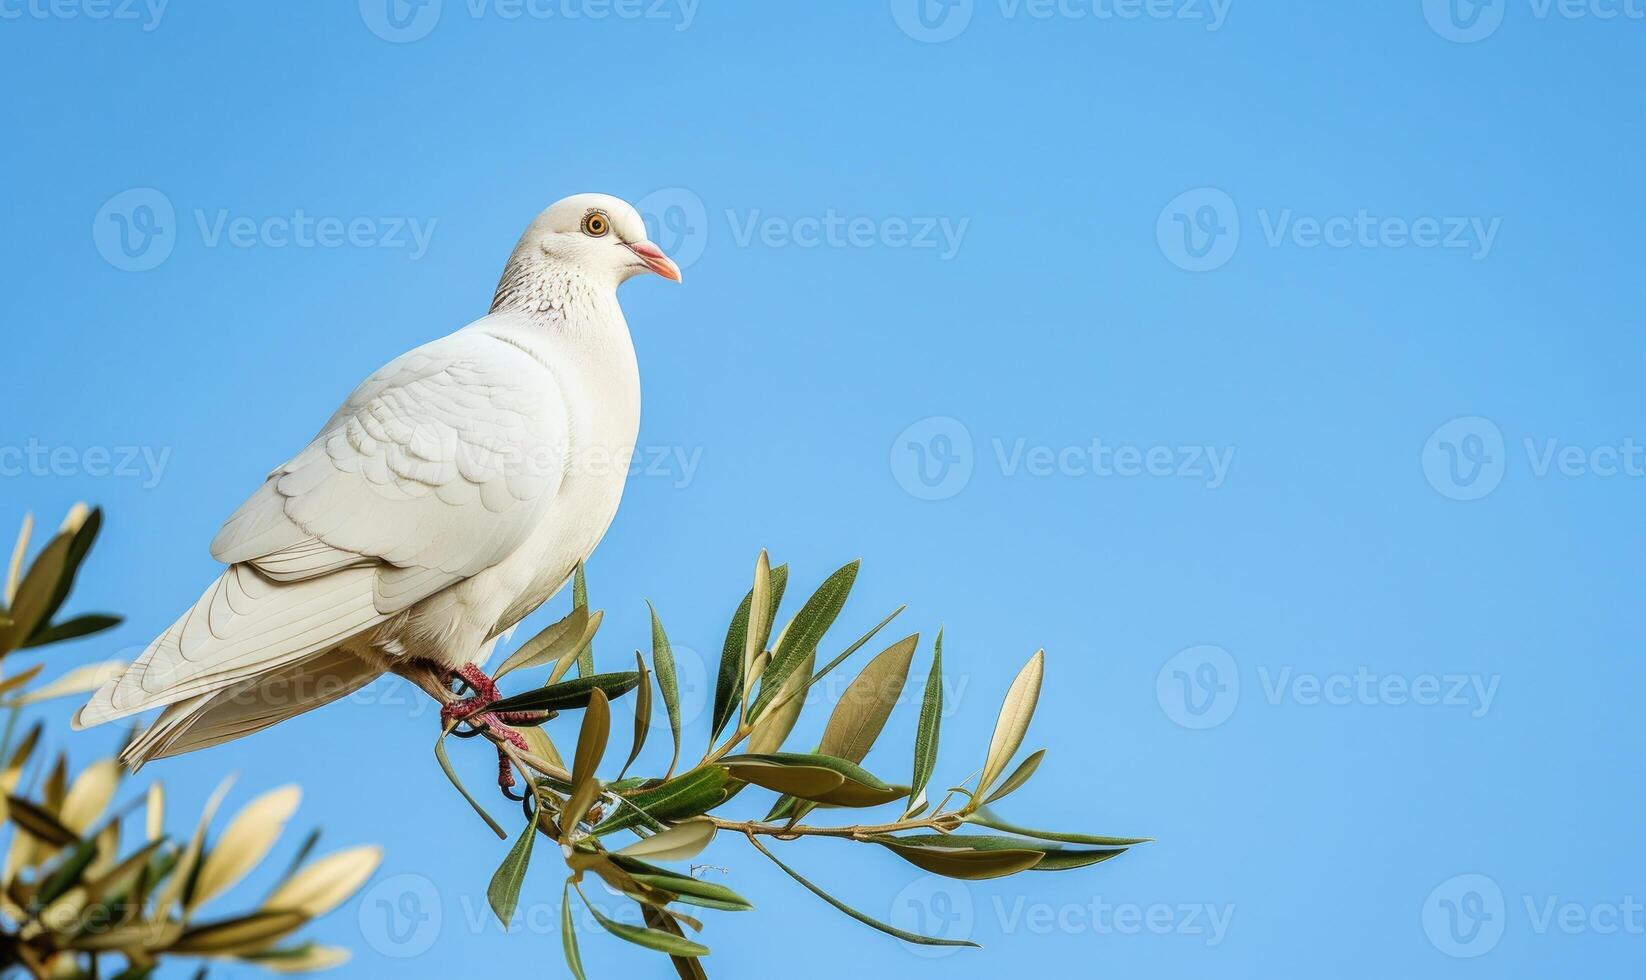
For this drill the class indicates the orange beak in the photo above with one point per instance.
(655, 259)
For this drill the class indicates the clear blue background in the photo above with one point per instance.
(1322, 829)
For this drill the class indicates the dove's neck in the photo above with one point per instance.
(569, 314)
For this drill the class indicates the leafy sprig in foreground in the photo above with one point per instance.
(79, 889)
(760, 692)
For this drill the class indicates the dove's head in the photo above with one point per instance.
(601, 236)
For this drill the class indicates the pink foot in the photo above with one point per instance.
(472, 711)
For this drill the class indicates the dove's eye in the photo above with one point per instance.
(596, 224)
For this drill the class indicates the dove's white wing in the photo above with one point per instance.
(437, 467)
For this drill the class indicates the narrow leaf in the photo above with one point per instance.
(504, 891)
(728, 689)
(779, 720)
(984, 819)
(931, 721)
(569, 694)
(1019, 776)
(580, 599)
(549, 645)
(1013, 722)
(1054, 857)
(868, 702)
(965, 863)
(811, 777)
(656, 939)
(805, 632)
(642, 713)
(451, 774)
(591, 746)
(568, 934)
(38, 823)
(908, 937)
(244, 843)
(668, 682)
(682, 842)
(686, 795)
(73, 629)
(321, 886)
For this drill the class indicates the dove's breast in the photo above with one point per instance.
(600, 380)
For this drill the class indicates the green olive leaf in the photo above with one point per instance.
(1013, 722)
(931, 721)
(803, 633)
(656, 939)
(568, 934)
(580, 599)
(818, 778)
(667, 681)
(984, 818)
(686, 795)
(504, 891)
(1019, 776)
(873, 923)
(591, 746)
(550, 644)
(968, 863)
(861, 714)
(642, 713)
(570, 694)
(728, 690)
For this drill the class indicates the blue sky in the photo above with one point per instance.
(1274, 366)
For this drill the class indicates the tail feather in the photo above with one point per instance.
(243, 626)
(251, 705)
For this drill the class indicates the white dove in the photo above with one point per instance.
(453, 493)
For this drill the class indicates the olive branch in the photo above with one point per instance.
(759, 694)
(81, 895)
